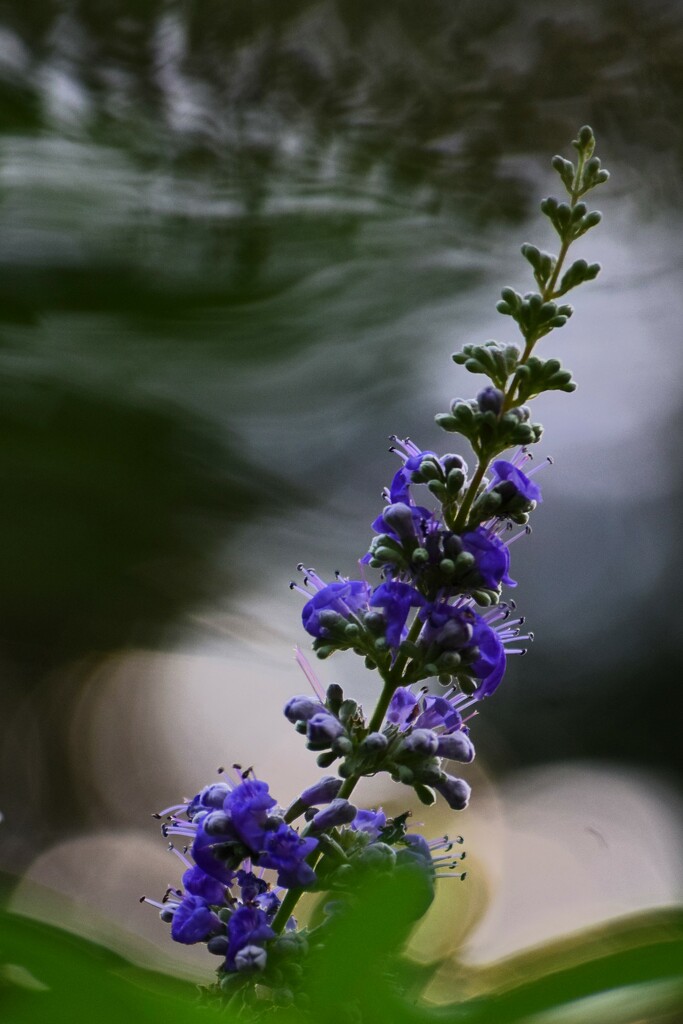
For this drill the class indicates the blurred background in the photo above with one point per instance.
(240, 241)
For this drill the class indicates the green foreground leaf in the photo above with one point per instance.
(630, 970)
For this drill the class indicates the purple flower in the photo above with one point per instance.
(419, 848)
(251, 886)
(250, 959)
(506, 472)
(193, 921)
(248, 926)
(217, 855)
(437, 711)
(490, 399)
(401, 707)
(421, 742)
(396, 599)
(343, 597)
(211, 798)
(447, 626)
(491, 557)
(269, 902)
(198, 883)
(402, 521)
(249, 805)
(370, 822)
(286, 851)
(489, 665)
(412, 460)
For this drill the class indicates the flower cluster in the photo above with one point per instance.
(241, 857)
(433, 611)
(433, 579)
(420, 731)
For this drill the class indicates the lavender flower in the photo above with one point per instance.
(512, 482)
(193, 921)
(396, 600)
(333, 603)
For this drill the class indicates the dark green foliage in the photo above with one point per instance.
(359, 975)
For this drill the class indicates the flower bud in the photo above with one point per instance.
(323, 729)
(300, 709)
(456, 747)
(400, 518)
(451, 461)
(455, 792)
(214, 795)
(217, 824)
(378, 855)
(321, 792)
(374, 743)
(490, 399)
(339, 812)
(422, 742)
(218, 945)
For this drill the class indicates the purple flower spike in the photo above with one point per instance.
(505, 471)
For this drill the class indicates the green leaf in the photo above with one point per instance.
(633, 958)
(51, 975)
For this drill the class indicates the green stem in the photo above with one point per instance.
(471, 494)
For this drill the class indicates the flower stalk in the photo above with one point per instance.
(436, 628)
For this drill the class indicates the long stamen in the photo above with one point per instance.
(305, 666)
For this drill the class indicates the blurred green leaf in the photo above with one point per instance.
(626, 971)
